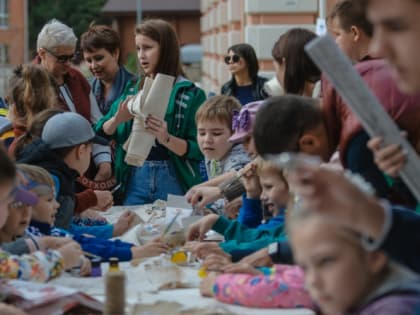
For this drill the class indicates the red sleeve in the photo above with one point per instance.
(85, 200)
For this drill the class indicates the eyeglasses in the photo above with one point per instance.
(60, 58)
(232, 59)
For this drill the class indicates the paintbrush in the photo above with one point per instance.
(168, 227)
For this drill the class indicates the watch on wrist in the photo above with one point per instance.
(273, 251)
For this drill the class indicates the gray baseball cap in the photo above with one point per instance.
(69, 129)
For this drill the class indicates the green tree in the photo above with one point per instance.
(78, 14)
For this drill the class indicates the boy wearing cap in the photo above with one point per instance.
(64, 150)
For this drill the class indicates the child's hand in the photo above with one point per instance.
(333, 195)
(93, 215)
(241, 267)
(158, 128)
(203, 250)
(104, 172)
(85, 266)
(52, 242)
(389, 159)
(251, 182)
(123, 223)
(232, 208)
(123, 114)
(71, 253)
(10, 310)
(105, 200)
(202, 196)
(151, 249)
(207, 284)
(198, 230)
(216, 261)
(258, 259)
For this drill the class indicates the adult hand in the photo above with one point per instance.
(104, 172)
(158, 128)
(123, 223)
(389, 159)
(105, 200)
(71, 253)
(331, 194)
(198, 230)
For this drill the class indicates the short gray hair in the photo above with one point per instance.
(55, 34)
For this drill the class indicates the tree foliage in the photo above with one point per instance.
(78, 14)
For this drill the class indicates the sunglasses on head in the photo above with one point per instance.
(60, 58)
(232, 59)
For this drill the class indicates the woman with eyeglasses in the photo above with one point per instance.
(245, 83)
(56, 45)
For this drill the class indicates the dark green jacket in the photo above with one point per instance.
(184, 101)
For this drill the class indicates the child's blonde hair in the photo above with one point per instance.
(265, 166)
(220, 108)
(37, 174)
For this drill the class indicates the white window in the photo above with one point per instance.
(4, 13)
(4, 54)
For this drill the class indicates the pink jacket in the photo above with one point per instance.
(284, 288)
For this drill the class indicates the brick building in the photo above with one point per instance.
(184, 15)
(13, 38)
(257, 22)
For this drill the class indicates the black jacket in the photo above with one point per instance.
(229, 88)
(38, 153)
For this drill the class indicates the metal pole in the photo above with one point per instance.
(322, 9)
(138, 11)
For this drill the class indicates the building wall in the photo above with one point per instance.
(259, 23)
(187, 28)
(13, 36)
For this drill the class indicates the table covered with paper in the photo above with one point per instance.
(156, 285)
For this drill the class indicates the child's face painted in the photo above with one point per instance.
(212, 137)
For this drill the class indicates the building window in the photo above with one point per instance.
(4, 54)
(4, 13)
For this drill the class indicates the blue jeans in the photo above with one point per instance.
(154, 180)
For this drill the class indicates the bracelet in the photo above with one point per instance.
(168, 139)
